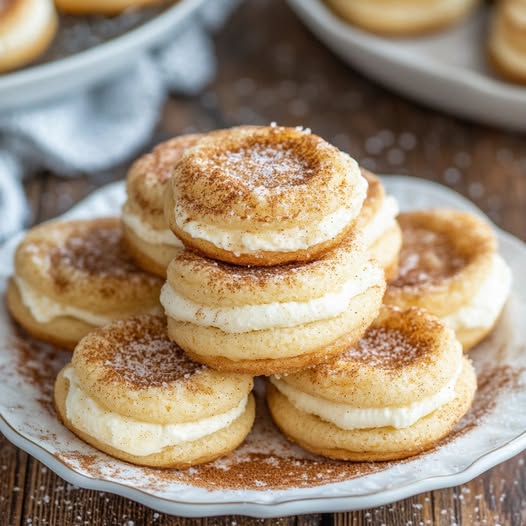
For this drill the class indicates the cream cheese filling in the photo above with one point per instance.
(149, 234)
(31, 24)
(44, 309)
(133, 436)
(248, 318)
(486, 305)
(383, 220)
(284, 240)
(347, 417)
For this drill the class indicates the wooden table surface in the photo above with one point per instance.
(272, 69)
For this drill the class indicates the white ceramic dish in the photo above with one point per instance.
(246, 483)
(447, 70)
(77, 72)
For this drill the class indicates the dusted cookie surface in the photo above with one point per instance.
(72, 276)
(134, 394)
(507, 43)
(257, 195)
(449, 265)
(262, 320)
(149, 240)
(27, 28)
(398, 391)
(378, 225)
(402, 17)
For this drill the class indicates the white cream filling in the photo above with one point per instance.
(44, 309)
(133, 436)
(383, 220)
(285, 240)
(515, 58)
(486, 305)
(269, 315)
(347, 417)
(30, 25)
(150, 234)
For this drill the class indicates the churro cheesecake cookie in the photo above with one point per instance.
(402, 17)
(264, 195)
(102, 7)
(149, 240)
(132, 393)
(507, 42)
(450, 266)
(379, 227)
(394, 394)
(27, 28)
(262, 320)
(70, 277)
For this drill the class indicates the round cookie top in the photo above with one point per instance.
(404, 357)
(257, 177)
(132, 368)
(148, 176)
(445, 256)
(83, 262)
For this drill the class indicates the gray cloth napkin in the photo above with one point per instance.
(108, 124)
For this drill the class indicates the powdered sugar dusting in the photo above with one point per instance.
(261, 166)
(385, 348)
(152, 362)
(426, 258)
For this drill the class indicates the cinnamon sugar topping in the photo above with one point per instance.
(95, 250)
(385, 348)
(261, 166)
(427, 258)
(138, 352)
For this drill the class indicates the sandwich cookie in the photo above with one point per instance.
(449, 265)
(264, 195)
(507, 44)
(132, 393)
(402, 17)
(262, 320)
(102, 7)
(27, 28)
(70, 277)
(149, 240)
(378, 225)
(394, 394)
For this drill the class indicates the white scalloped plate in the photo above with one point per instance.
(37, 83)
(447, 70)
(492, 432)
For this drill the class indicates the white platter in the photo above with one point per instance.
(79, 71)
(447, 70)
(248, 484)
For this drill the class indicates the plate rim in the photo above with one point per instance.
(329, 28)
(281, 506)
(141, 37)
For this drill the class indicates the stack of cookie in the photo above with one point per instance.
(276, 249)
(278, 277)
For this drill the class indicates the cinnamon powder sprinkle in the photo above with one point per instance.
(385, 348)
(137, 351)
(94, 249)
(426, 258)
